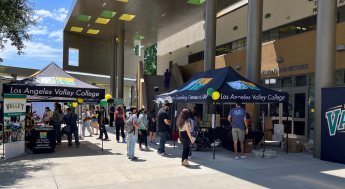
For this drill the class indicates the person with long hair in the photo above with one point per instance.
(94, 119)
(183, 124)
(152, 126)
(120, 119)
(46, 115)
(133, 136)
(57, 121)
(143, 123)
(86, 121)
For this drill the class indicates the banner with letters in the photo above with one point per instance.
(333, 125)
(14, 125)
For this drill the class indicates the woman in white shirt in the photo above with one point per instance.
(46, 115)
(86, 121)
(183, 124)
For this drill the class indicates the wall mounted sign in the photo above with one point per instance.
(285, 69)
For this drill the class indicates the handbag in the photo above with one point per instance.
(67, 129)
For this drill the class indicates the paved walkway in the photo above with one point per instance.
(88, 167)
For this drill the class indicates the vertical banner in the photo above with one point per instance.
(14, 125)
(118, 101)
(333, 125)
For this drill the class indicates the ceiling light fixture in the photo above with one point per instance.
(88, 25)
(104, 4)
(163, 15)
(127, 17)
(102, 21)
(341, 48)
(280, 59)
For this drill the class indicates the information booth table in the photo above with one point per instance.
(44, 140)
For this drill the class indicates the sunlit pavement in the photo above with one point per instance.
(89, 167)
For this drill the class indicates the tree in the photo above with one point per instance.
(150, 59)
(16, 17)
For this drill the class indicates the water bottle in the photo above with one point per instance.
(124, 141)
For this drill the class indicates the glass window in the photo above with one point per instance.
(226, 110)
(227, 48)
(274, 34)
(73, 57)
(240, 44)
(284, 32)
(310, 108)
(220, 110)
(265, 83)
(287, 108)
(264, 107)
(311, 79)
(299, 128)
(299, 108)
(275, 83)
(315, 22)
(307, 24)
(338, 16)
(295, 28)
(287, 128)
(301, 81)
(288, 82)
(339, 77)
(234, 46)
(274, 109)
(219, 50)
(265, 36)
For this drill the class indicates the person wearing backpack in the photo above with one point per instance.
(132, 128)
(71, 119)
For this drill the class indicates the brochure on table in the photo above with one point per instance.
(14, 125)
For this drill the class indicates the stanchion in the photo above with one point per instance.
(287, 133)
(214, 130)
(263, 127)
(175, 104)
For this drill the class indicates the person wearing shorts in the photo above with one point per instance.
(238, 119)
(152, 126)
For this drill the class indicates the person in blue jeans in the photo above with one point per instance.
(163, 127)
(57, 119)
(167, 75)
(133, 136)
(71, 119)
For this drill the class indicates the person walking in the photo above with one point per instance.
(167, 75)
(132, 137)
(112, 111)
(57, 121)
(101, 122)
(184, 125)
(238, 119)
(163, 127)
(94, 119)
(194, 125)
(143, 124)
(71, 119)
(86, 117)
(119, 122)
(152, 126)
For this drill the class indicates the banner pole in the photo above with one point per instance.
(175, 104)
(287, 133)
(214, 131)
(3, 130)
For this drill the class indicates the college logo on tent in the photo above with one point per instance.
(46, 80)
(335, 120)
(197, 84)
(242, 85)
(65, 81)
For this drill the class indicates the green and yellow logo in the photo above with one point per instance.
(335, 120)
(65, 81)
(43, 134)
(197, 84)
(242, 85)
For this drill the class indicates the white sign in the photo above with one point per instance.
(169, 99)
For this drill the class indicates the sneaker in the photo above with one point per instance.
(106, 138)
(154, 143)
(236, 158)
(99, 138)
(69, 146)
(186, 163)
(90, 135)
(189, 157)
(58, 143)
(162, 154)
(147, 148)
(77, 146)
(134, 158)
(96, 134)
(243, 157)
(140, 148)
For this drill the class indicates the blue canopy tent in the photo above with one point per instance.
(231, 86)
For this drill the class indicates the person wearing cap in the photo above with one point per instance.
(238, 119)
(163, 127)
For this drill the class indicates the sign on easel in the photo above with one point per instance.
(14, 125)
(118, 102)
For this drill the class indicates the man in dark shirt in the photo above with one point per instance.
(163, 127)
(71, 119)
(101, 122)
(112, 111)
(167, 75)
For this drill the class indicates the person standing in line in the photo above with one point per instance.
(119, 123)
(133, 136)
(167, 75)
(238, 119)
(86, 121)
(152, 126)
(194, 126)
(184, 125)
(163, 127)
(71, 119)
(57, 119)
(112, 117)
(46, 115)
(94, 119)
(101, 122)
(143, 123)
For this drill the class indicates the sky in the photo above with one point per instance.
(46, 46)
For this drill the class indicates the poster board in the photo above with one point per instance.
(118, 101)
(14, 125)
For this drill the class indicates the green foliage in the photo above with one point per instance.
(150, 59)
(16, 16)
(136, 50)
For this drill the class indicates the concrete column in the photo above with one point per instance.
(210, 41)
(14, 77)
(133, 95)
(121, 64)
(113, 69)
(254, 48)
(210, 35)
(325, 60)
